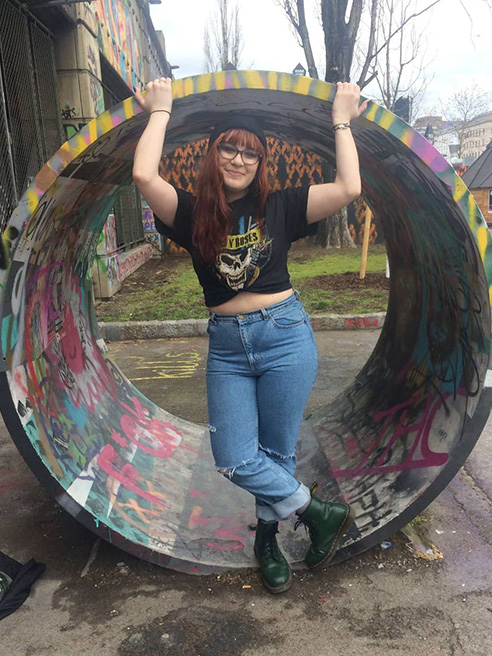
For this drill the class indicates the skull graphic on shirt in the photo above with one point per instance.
(234, 268)
(239, 265)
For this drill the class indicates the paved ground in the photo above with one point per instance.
(384, 601)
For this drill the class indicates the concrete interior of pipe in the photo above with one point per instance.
(133, 472)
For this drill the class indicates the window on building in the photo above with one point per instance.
(490, 201)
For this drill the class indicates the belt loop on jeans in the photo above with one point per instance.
(264, 313)
(212, 317)
(297, 294)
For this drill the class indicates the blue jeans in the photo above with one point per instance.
(260, 370)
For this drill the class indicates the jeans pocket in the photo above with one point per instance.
(288, 318)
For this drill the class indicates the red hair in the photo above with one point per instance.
(213, 216)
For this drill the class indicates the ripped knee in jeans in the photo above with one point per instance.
(275, 454)
(229, 472)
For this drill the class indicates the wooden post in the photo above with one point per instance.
(365, 243)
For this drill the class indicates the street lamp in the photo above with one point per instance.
(299, 70)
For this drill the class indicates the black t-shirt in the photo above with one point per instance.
(253, 260)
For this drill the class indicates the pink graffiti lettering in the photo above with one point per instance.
(124, 473)
(153, 436)
(422, 429)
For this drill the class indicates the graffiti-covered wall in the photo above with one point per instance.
(112, 50)
(121, 33)
(121, 39)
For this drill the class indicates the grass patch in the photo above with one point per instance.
(350, 302)
(336, 262)
(178, 297)
(160, 291)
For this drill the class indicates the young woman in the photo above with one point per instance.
(262, 359)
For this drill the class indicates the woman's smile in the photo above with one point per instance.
(234, 173)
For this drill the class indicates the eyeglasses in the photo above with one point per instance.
(229, 152)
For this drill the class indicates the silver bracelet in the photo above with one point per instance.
(341, 126)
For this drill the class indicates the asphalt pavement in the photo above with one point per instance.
(96, 599)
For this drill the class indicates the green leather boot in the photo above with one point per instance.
(326, 522)
(275, 569)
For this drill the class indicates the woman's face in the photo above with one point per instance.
(236, 174)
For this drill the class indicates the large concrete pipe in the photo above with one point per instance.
(144, 479)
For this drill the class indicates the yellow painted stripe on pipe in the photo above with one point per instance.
(177, 87)
(254, 80)
(237, 82)
(460, 189)
(32, 200)
(386, 120)
(105, 123)
(79, 145)
(482, 240)
(128, 108)
(302, 86)
(323, 90)
(284, 82)
(371, 112)
(204, 83)
(92, 131)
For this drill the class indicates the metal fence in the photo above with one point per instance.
(30, 125)
(128, 215)
(128, 208)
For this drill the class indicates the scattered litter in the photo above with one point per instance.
(430, 554)
(122, 564)
(386, 545)
(439, 532)
(380, 566)
(113, 613)
(409, 570)
(246, 587)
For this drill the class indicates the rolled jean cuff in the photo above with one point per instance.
(282, 509)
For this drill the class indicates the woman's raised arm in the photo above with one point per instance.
(158, 193)
(325, 199)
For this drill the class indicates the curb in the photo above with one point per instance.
(119, 331)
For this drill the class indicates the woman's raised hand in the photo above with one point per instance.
(346, 103)
(158, 95)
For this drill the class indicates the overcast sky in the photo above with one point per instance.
(459, 51)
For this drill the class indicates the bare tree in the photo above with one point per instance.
(462, 107)
(390, 66)
(222, 38)
(340, 30)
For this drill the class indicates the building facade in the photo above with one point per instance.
(61, 66)
(478, 179)
(477, 136)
